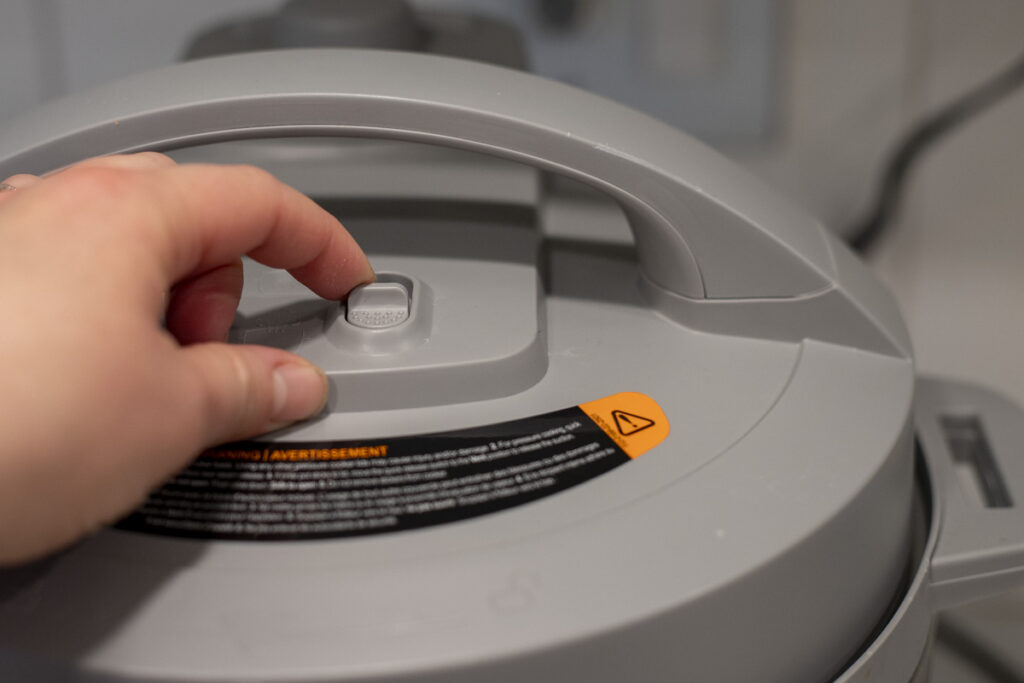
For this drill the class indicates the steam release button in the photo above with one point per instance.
(378, 305)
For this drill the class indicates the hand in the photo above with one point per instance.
(119, 279)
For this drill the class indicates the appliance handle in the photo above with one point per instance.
(717, 250)
(973, 442)
(704, 229)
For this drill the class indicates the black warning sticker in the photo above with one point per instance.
(289, 490)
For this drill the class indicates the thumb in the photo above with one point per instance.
(248, 390)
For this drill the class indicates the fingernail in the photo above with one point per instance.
(300, 391)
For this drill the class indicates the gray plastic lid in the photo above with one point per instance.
(772, 520)
(706, 232)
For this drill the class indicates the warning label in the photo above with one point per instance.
(281, 490)
(629, 424)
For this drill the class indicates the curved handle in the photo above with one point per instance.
(703, 228)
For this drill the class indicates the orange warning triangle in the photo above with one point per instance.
(629, 429)
(628, 423)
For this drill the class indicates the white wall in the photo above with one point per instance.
(51, 47)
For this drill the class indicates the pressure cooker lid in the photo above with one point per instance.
(558, 463)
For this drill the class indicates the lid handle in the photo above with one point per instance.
(704, 228)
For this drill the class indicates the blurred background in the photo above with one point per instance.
(817, 97)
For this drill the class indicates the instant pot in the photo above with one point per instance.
(700, 454)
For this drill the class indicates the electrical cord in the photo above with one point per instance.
(901, 160)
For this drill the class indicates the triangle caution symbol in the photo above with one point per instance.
(629, 424)
(634, 421)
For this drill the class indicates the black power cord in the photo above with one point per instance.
(900, 162)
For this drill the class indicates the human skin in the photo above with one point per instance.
(119, 279)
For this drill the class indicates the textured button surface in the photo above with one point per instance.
(378, 305)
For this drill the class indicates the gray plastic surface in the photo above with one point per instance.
(475, 332)
(354, 169)
(729, 533)
(378, 305)
(747, 525)
(981, 549)
(967, 552)
(775, 516)
(704, 229)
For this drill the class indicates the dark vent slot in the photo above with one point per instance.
(972, 456)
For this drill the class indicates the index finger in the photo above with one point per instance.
(200, 217)
(219, 213)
